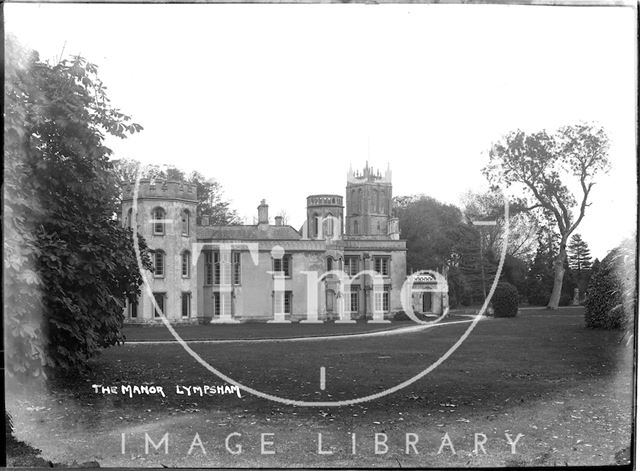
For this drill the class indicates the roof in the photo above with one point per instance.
(247, 232)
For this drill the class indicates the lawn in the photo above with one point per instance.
(566, 389)
(252, 330)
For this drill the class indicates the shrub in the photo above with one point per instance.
(505, 300)
(402, 316)
(538, 295)
(610, 302)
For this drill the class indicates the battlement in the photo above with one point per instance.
(162, 189)
(324, 200)
(369, 174)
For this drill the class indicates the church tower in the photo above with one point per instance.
(368, 208)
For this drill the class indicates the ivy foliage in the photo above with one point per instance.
(68, 263)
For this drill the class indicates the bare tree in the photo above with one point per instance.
(540, 164)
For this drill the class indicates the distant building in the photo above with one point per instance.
(230, 273)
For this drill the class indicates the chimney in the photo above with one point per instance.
(263, 214)
(278, 220)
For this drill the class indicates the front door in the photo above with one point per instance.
(426, 302)
(330, 297)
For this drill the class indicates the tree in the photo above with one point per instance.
(68, 263)
(211, 203)
(430, 229)
(474, 259)
(540, 164)
(579, 254)
(523, 225)
(439, 239)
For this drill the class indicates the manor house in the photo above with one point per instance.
(272, 272)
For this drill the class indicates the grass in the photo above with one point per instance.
(567, 389)
(251, 330)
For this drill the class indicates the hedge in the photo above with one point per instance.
(505, 300)
(610, 302)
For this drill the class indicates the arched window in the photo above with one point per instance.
(359, 201)
(355, 227)
(158, 221)
(383, 203)
(186, 264)
(378, 210)
(158, 264)
(129, 221)
(329, 263)
(328, 225)
(353, 201)
(186, 220)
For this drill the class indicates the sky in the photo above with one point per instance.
(277, 101)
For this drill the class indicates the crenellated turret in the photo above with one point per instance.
(162, 189)
(324, 217)
(164, 213)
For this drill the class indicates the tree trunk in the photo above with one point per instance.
(558, 276)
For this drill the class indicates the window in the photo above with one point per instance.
(158, 221)
(355, 227)
(185, 222)
(377, 201)
(158, 264)
(212, 267)
(159, 298)
(208, 267)
(216, 304)
(329, 264)
(132, 308)
(315, 225)
(287, 302)
(354, 300)
(353, 202)
(235, 267)
(216, 268)
(129, 221)
(328, 225)
(351, 265)
(382, 300)
(186, 304)
(283, 264)
(381, 265)
(186, 264)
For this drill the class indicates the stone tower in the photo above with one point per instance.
(325, 217)
(165, 215)
(369, 199)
